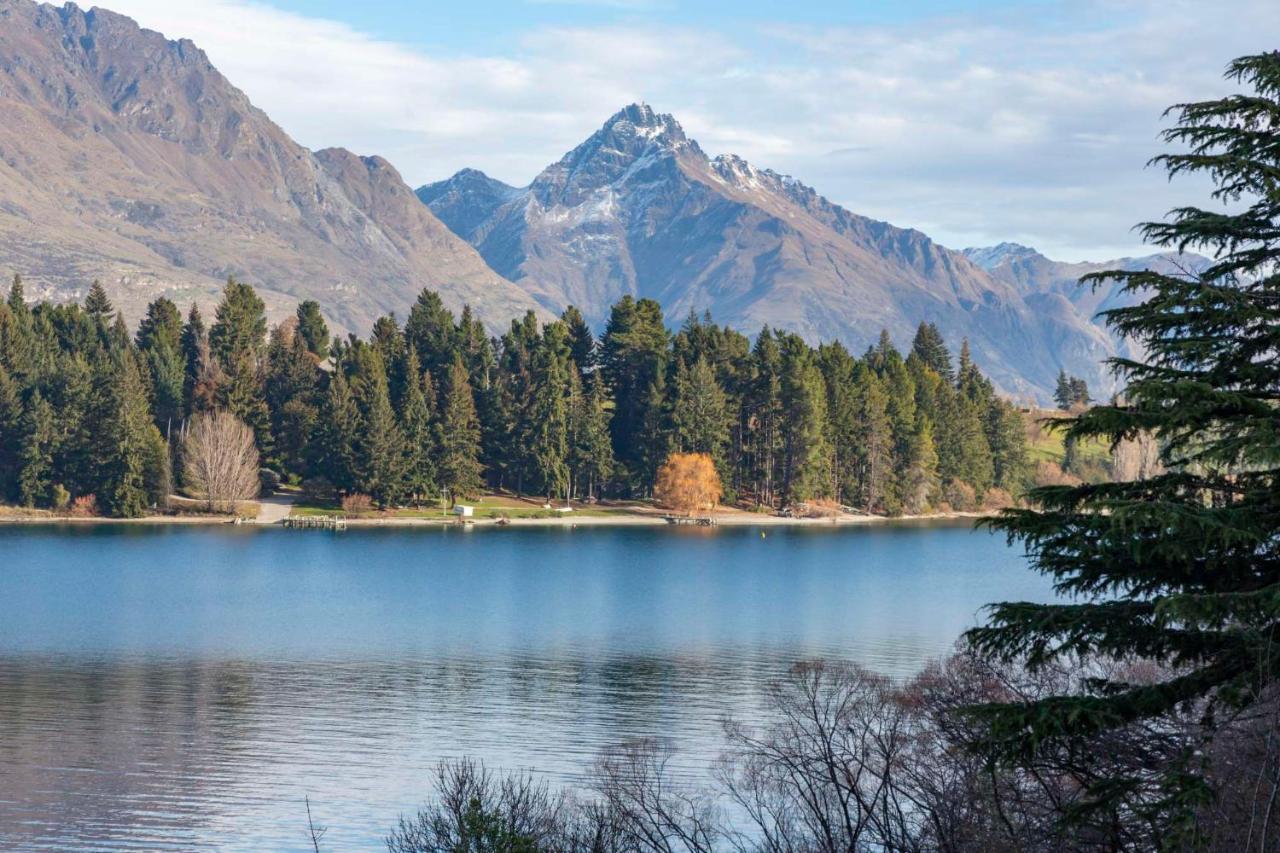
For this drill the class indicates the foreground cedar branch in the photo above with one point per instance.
(1184, 566)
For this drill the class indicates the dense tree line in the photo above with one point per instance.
(437, 407)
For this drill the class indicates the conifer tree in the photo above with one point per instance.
(194, 338)
(920, 480)
(873, 440)
(71, 393)
(98, 306)
(476, 350)
(806, 453)
(582, 345)
(460, 472)
(1062, 394)
(162, 324)
(1007, 437)
(381, 450)
(699, 416)
(764, 402)
(590, 447)
(653, 439)
(126, 440)
(339, 434)
(838, 371)
(549, 410)
(239, 329)
(11, 418)
(291, 391)
(35, 481)
(633, 355)
(430, 330)
(929, 346)
(1182, 567)
(313, 329)
(416, 413)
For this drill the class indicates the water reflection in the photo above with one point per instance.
(186, 690)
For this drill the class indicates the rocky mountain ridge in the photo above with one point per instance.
(638, 208)
(127, 157)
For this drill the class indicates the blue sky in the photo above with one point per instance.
(486, 26)
(975, 122)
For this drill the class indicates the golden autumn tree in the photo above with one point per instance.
(688, 483)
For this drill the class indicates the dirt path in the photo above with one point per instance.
(274, 509)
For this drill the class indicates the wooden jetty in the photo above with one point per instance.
(316, 522)
(697, 521)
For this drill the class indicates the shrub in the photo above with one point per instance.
(1051, 474)
(269, 479)
(960, 495)
(317, 490)
(357, 504)
(61, 497)
(85, 506)
(997, 498)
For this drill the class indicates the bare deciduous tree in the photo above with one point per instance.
(219, 460)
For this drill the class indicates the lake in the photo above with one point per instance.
(187, 687)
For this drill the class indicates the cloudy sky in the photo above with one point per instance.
(975, 122)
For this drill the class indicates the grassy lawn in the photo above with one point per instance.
(1047, 446)
(491, 506)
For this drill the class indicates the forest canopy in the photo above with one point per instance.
(437, 408)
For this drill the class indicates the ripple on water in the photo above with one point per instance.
(187, 689)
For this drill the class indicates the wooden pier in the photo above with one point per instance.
(316, 522)
(697, 521)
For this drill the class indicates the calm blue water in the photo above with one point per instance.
(187, 687)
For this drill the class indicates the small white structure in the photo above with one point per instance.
(464, 511)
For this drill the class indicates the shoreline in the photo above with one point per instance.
(731, 518)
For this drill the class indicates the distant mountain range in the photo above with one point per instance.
(128, 157)
(639, 208)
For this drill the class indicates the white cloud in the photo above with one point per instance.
(1031, 128)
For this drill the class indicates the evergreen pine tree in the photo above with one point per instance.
(838, 370)
(764, 405)
(291, 391)
(126, 439)
(416, 413)
(920, 481)
(460, 472)
(35, 480)
(700, 413)
(381, 449)
(582, 345)
(313, 329)
(806, 453)
(1062, 394)
(11, 435)
(162, 324)
(430, 330)
(71, 393)
(339, 434)
(1183, 567)
(1007, 437)
(633, 356)
(591, 450)
(98, 306)
(873, 440)
(932, 350)
(239, 329)
(549, 411)
(194, 338)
